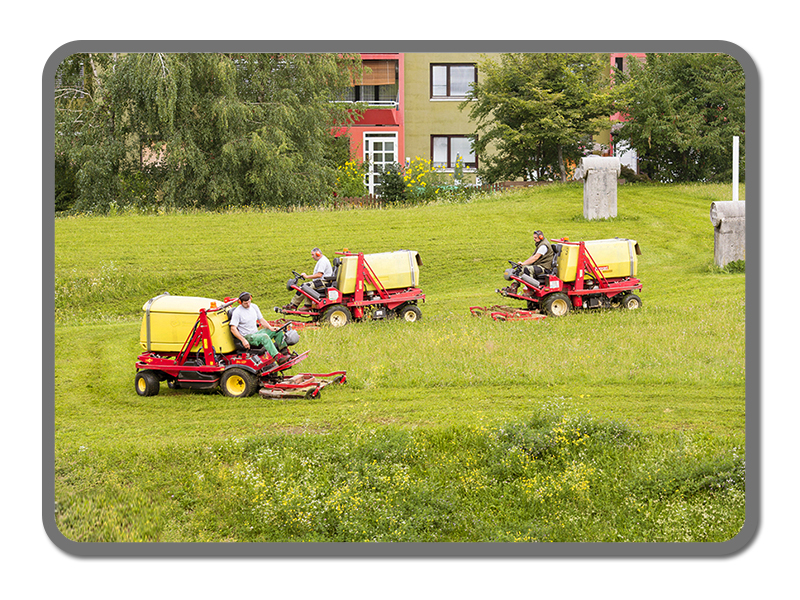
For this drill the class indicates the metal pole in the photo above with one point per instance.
(735, 167)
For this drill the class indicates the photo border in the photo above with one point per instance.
(408, 549)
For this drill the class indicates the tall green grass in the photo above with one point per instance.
(601, 426)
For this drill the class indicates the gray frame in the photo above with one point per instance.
(285, 550)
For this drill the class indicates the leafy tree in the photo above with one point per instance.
(535, 112)
(682, 112)
(204, 130)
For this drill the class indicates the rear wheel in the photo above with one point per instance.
(146, 383)
(631, 302)
(237, 383)
(410, 313)
(337, 316)
(557, 305)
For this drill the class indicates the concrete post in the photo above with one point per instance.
(728, 219)
(599, 174)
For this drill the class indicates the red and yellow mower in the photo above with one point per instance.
(209, 357)
(363, 286)
(590, 274)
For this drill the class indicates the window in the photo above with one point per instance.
(445, 150)
(452, 81)
(378, 85)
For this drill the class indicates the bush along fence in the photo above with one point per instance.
(465, 191)
(415, 182)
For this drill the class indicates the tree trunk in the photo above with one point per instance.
(561, 164)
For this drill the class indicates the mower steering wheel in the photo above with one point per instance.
(514, 264)
(297, 275)
(284, 326)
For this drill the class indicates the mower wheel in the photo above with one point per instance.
(237, 383)
(337, 316)
(410, 313)
(557, 305)
(146, 383)
(631, 302)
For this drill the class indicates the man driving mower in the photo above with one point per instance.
(251, 329)
(322, 269)
(539, 262)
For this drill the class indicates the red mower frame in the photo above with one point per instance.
(238, 374)
(556, 298)
(334, 308)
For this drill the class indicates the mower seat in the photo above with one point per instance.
(253, 350)
(554, 264)
(331, 279)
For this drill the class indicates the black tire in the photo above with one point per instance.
(146, 383)
(631, 302)
(337, 315)
(237, 383)
(410, 313)
(557, 305)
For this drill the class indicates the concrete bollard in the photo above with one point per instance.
(599, 174)
(728, 219)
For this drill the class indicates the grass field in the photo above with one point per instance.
(599, 427)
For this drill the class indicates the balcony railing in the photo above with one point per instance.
(371, 103)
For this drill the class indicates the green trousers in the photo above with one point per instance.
(267, 339)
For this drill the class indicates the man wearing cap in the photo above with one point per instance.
(245, 322)
(322, 268)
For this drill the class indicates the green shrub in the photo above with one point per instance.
(393, 187)
(350, 179)
(422, 181)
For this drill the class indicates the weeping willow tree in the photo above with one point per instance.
(200, 130)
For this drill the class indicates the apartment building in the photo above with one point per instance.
(436, 128)
(414, 111)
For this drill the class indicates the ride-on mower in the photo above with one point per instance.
(363, 286)
(210, 357)
(578, 278)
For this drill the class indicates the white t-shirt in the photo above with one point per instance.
(323, 266)
(246, 319)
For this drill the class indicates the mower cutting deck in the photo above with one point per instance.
(499, 312)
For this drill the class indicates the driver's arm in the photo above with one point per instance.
(267, 325)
